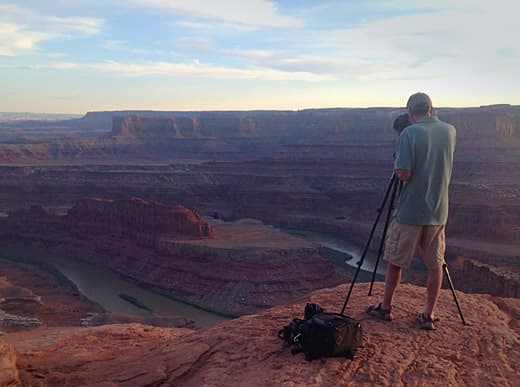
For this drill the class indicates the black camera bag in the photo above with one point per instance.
(324, 335)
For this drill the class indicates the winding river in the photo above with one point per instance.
(103, 286)
(342, 252)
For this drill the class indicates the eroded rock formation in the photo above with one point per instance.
(247, 351)
(171, 249)
(10, 293)
(134, 135)
(484, 278)
(97, 319)
(10, 320)
(145, 128)
(44, 296)
(9, 375)
(322, 169)
(136, 219)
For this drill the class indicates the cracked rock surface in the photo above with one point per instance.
(247, 351)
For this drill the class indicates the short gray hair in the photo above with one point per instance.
(419, 103)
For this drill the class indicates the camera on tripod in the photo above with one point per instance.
(401, 122)
(392, 192)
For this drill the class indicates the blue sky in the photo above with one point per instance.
(68, 56)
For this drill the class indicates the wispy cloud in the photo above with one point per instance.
(219, 25)
(200, 70)
(251, 12)
(14, 38)
(445, 40)
(194, 43)
(371, 50)
(114, 44)
(48, 66)
(194, 69)
(22, 29)
(122, 46)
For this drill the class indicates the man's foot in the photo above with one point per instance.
(379, 312)
(426, 322)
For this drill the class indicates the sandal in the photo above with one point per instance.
(426, 322)
(379, 312)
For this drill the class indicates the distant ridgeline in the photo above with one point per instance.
(235, 135)
(350, 125)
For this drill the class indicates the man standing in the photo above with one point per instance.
(424, 161)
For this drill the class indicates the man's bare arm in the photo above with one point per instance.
(403, 174)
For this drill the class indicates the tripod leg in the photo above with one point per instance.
(445, 268)
(383, 237)
(367, 244)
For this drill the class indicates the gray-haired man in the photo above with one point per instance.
(424, 161)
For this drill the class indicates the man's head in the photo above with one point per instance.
(419, 105)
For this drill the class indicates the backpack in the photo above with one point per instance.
(323, 334)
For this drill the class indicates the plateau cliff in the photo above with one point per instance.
(137, 219)
(142, 135)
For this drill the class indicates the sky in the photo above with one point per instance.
(74, 56)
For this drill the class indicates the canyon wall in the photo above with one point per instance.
(490, 279)
(233, 135)
(320, 169)
(137, 219)
(370, 124)
(170, 249)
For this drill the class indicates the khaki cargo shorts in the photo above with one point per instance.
(402, 241)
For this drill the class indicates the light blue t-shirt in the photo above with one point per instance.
(425, 149)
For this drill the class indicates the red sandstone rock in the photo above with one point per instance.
(247, 351)
(60, 305)
(154, 129)
(335, 166)
(485, 127)
(136, 218)
(13, 293)
(9, 375)
(249, 268)
(484, 278)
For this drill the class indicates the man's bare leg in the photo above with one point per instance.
(393, 277)
(432, 290)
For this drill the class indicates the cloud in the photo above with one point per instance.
(48, 66)
(194, 69)
(212, 25)
(329, 67)
(22, 30)
(252, 12)
(197, 69)
(122, 46)
(72, 25)
(451, 40)
(114, 44)
(14, 38)
(198, 44)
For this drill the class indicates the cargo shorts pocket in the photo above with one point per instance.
(392, 241)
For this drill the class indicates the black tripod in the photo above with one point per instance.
(392, 191)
